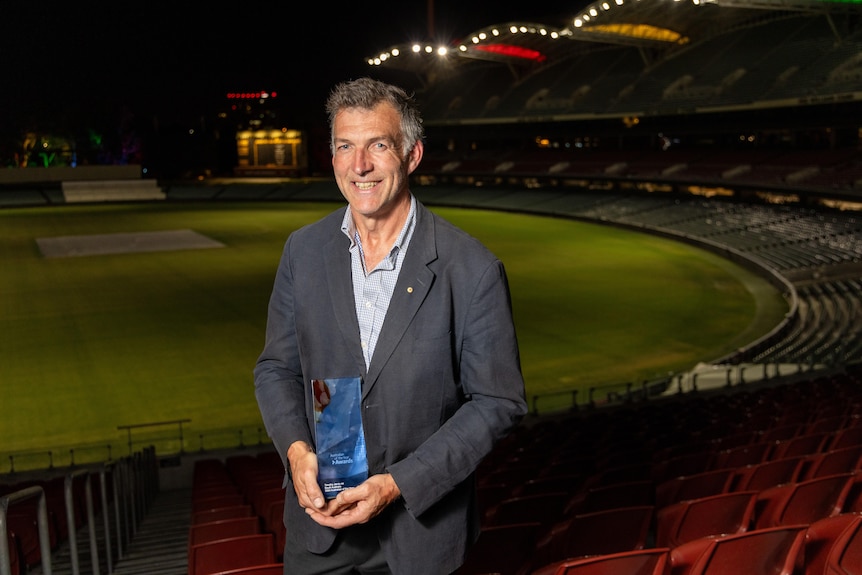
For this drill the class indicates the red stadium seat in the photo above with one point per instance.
(853, 503)
(722, 514)
(651, 561)
(741, 455)
(844, 460)
(217, 502)
(801, 445)
(271, 569)
(226, 554)
(823, 537)
(209, 472)
(262, 499)
(544, 508)
(501, 549)
(802, 502)
(224, 529)
(767, 474)
(597, 533)
(15, 562)
(214, 491)
(846, 553)
(777, 551)
(694, 486)
(274, 523)
(847, 437)
(623, 494)
(222, 513)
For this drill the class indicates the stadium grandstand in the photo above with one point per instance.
(760, 93)
(734, 126)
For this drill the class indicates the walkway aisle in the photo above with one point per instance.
(160, 545)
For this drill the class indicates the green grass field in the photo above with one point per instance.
(93, 343)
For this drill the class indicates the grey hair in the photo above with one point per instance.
(367, 93)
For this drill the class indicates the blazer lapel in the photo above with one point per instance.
(340, 283)
(414, 282)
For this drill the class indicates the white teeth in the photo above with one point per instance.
(364, 185)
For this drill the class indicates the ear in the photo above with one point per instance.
(415, 156)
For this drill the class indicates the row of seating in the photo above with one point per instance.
(743, 64)
(237, 526)
(827, 546)
(831, 545)
(818, 169)
(658, 475)
(678, 474)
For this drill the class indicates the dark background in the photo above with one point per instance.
(73, 63)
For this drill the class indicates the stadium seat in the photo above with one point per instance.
(847, 437)
(224, 529)
(776, 550)
(222, 513)
(802, 502)
(830, 424)
(226, 554)
(21, 523)
(767, 474)
(843, 460)
(509, 475)
(741, 455)
(781, 433)
(853, 503)
(271, 569)
(683, 465)
(490, 494)
(214, 490)
(597, 533)
(544, 508)
(217, 502)
(274, 523)
(623, 494)
(651, 561)
(569, 483)
(15, 563)
(501, 549)
(693, 486)
(806, 444)
(722, 514)
(846, 554)
(637, 471)
(261, 499)
(826, 537)
(209, 472)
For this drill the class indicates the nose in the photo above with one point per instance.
(362, 162)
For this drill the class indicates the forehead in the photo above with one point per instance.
(382, 121)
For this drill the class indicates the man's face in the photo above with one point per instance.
(367, 161)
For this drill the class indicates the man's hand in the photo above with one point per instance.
(303, 470)
(357, 504)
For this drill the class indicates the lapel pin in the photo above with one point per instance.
(409, 290)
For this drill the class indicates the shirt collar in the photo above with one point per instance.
(348, 227)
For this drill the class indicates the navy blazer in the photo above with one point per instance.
(444, 384)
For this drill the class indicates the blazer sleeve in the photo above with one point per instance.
(278, 379)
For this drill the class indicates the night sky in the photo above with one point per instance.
(89, 59)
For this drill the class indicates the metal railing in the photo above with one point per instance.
(131, 483)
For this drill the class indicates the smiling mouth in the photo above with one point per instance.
(365, 185)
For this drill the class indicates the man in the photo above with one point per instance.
(385, 291)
